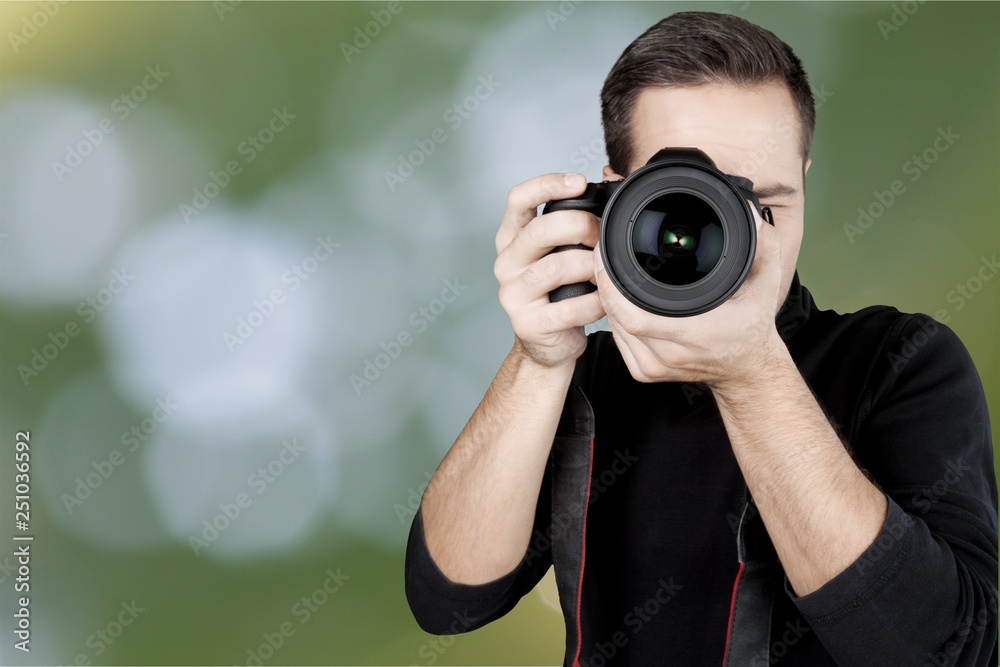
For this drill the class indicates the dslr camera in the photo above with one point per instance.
(677, 236)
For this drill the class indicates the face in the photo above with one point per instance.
(751, 132)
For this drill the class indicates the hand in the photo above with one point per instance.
(731, 343)
(550, 334)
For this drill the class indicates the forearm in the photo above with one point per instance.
(819, 508)
(479, 507)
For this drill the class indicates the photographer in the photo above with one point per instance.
(789, 486)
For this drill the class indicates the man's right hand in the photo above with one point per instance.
(478, 511)
(549, 334)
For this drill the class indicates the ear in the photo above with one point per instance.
(609, 174)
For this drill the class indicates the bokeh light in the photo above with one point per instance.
(241, 255)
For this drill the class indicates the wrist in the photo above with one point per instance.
(523, 363)
(535, 358)
(768, 363)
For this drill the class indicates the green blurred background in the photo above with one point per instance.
(355, 257)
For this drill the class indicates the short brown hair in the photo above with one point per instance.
(694, 48)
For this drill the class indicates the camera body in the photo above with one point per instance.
(678, 236)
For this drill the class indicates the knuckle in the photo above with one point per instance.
(532, 276)
(501, 270)
(503, 296)
(545, 321)
(537, 230)
(517, 324)
(513, 197)
(671, 359)
(634, 325)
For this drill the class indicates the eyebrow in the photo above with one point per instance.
(775, 190)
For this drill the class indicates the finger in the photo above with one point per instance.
(581, 310)
(537, 239)
(642, 356)
(536, 281)
(560, 316)
(626, 346)
(768, 253)
(523, 201)
(765, 273)
(757, 219)
(615, 303)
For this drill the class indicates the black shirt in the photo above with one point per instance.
(666, 495)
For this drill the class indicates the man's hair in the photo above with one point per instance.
(691, 49)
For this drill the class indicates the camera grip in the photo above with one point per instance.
(592, 201)
(576, 289)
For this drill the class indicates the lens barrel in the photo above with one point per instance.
(678, 236)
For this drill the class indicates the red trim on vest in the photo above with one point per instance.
(583, 559)
(732, 608)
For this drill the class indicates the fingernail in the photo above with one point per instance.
(573, 180)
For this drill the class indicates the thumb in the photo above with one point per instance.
(598, 259)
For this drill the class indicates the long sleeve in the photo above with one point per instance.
(925, 592)
(444, 607)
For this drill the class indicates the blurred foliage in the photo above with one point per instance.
(231, 64)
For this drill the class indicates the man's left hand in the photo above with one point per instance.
(731, 343)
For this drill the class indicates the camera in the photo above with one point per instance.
(677, 236)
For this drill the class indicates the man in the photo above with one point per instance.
(627, 459)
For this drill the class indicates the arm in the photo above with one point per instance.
(928, 582)
(908, 576)
(478, 510)
(820, 510)
(479, 506)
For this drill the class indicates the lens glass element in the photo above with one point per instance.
(678, 238)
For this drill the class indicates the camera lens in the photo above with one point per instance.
(678, 236)
(678, 239)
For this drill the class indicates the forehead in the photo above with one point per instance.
(745, 130)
